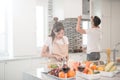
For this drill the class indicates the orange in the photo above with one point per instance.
(90, 71)
(88, 63)
(71, 73)
(100, 68)
(61, 74)
(85, 70)
(93, 67)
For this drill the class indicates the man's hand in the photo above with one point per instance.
(92, 17)
(79, 18)
(78, 26)
(78, 23)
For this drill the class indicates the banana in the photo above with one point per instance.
(113, 68)
(109, 66)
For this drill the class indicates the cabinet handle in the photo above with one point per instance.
(88, 11)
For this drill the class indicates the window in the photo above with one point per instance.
(40, 29)
(3, 39)
(6, 26)
(85, 25)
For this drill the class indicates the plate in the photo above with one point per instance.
(109, 74)
(57, 78)
(88, 76)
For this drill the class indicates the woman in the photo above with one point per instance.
(56, 46)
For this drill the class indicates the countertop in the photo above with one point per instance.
(38, 75)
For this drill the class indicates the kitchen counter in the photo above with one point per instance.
(37, 75)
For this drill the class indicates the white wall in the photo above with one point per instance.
(44, 3)
(24, 24)
(9, 24)
(21, 22)
(58, 9)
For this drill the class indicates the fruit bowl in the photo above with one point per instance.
(61, 72)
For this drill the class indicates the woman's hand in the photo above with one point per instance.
(59, 58)
(67, 57)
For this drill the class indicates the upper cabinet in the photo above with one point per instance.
(86, 7)
(70, 8)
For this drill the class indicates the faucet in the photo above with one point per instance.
(115, 50)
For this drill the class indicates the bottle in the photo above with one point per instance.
(65, 67)
(108, 52)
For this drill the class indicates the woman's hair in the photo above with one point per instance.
(58, 26)
(55, 19)
(96, 21)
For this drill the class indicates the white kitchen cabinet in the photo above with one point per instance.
(106, 8)
(14, 69)
(115, 23)
(70, 8)
(1, 71)
(86, 7)
(102, 8)
(110, 22)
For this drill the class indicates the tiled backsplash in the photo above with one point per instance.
(75, 38)
(50, 14)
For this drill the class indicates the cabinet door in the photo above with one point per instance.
(86, 7)
(14, 69)
(1, 71)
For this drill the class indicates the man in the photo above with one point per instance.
(93, 37)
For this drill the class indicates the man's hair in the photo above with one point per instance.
(96, 21)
